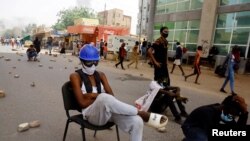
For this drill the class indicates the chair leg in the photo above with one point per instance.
(117, 133)
(83, 134)
(65, 130)
(95, 133)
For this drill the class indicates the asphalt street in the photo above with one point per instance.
(24, 103)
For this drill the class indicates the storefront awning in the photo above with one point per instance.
(81, 29)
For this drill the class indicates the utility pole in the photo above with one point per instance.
(140, 21)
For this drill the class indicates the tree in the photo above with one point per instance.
(67, 16)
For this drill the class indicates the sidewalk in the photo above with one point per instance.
(210, 83)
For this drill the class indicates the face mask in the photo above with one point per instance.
(89, 70)
(226, 118)
(165, 35)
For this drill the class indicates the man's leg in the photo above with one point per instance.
(130, 124)
(105, 105)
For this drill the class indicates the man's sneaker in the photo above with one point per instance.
(233, 93)
(222, 90)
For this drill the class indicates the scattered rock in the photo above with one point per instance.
(2, 94)
(69, 60)
(141, 74)
(23, 127)
(1, 57)
(7, 59)
(65, 67)
(46, 53)
(10, 72)
(52, 60)
(21, 55)
(76, 68)
(16, 76)
(33, 84)
(18, 59)
(35, 123)
(50, 67)
(14, 67)
(55, 55)
(40, 65)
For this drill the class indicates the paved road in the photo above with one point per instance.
(43, 102)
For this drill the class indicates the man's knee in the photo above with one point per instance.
(105, 98)
(137, 122)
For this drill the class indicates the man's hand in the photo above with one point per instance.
(157, 64)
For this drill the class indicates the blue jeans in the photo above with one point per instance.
(31, 54)
(194, 134)
(229, 77)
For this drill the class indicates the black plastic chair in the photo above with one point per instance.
(70, 103)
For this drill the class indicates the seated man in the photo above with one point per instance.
(162, 96)
(99, 106)
(202, 120)
(31, 53)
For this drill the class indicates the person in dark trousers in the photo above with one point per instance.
(165, 98)
(144, 49)
(122, 55)
(158, 54)
(37, 45)
(200, 122)
(101, 47)
(31, 53)
(197, 70)
(178, 58)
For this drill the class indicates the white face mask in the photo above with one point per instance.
(89, 70)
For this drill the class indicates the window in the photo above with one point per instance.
(222, 36)
(232, 2)
(183, 6)
(196, 4)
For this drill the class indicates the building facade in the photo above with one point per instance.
(220, 23)
(114, 17)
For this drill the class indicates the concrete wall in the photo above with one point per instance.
(207, 24)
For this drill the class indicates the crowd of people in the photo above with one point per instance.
(99, 104)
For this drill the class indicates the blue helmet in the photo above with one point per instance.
(89, 53)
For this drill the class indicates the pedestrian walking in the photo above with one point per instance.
(37, 45)
(144, 50)
(196, 67)
(178, 58)
(105, 50)
(99, 105)
(231, 63)
(134, 56)
(122, 55)
(49, 44)
(158, 54)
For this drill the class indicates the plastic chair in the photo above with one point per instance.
(70, 103)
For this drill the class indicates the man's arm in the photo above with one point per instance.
(84, 100)
(150, 53)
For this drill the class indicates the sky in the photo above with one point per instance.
(22, 12)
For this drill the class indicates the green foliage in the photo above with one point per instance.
(67, 16)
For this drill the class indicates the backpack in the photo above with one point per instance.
(86, 81)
